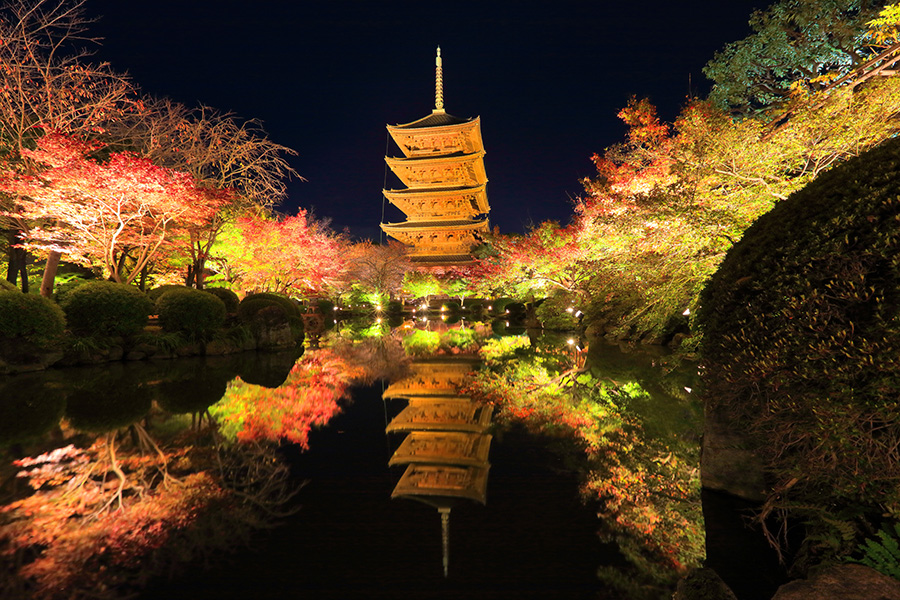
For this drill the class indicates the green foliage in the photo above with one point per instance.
(420, 285)
(802, 334)
(793, 40)
(883, 553)
(107, 308)
(421, 342)
(451, 307)
(325, 307)
(194, 312)
(230, 299)
(394, 307)
(31, 317)
(62, 290)
(167, 341)
(558, 312)
(503, 348)
(498, 306)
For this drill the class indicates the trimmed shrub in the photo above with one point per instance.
(107, 308)
(157, 292)
(62, 291)
(253, 303)
(801, 334)
(230, 299)
(194, 312)
(6, 286)
(451, 306)
(28, 316)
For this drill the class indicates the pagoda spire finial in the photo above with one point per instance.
(438, 83)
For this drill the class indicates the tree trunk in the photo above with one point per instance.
(50, 274)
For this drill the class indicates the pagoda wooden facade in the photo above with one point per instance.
(444, 201)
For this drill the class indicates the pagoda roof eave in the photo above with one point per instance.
(436, 120)
(421, 161)
(448, 191)
(464, 224)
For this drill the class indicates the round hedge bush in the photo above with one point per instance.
(801, 337)
(191, 311)
(31, 317)
(230, 299)
(107, 308)
(62, 291)
(253, 303)
(157, 292)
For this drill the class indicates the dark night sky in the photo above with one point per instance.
(547, 79)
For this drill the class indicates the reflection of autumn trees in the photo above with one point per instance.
(646, 479)
(86, 533)
(308, 398)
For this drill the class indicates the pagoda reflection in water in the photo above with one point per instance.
(446, 447)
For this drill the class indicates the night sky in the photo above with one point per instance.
(547, 79)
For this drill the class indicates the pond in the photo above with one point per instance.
(436, 462)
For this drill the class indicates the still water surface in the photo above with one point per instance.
(534, 536)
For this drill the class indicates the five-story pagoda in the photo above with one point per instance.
(444, 201)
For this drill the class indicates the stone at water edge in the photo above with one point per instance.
(703, 584)
(842, 582)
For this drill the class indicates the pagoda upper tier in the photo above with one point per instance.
(444, 201)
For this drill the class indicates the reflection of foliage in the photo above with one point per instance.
(107, 401)
(421, 342)
(647, 483)
(309, 397)
(29, 407)
(504, 347)
(372, 358)
(62, 543)
(193, 391)
(449, 341)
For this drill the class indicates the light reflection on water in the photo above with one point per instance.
(531, 492)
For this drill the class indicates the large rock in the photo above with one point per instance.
(703, 584)
(842, 582)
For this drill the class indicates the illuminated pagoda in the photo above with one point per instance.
(444, 201)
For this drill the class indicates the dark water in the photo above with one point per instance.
(533, 538)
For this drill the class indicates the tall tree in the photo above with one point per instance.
(118, 212)
(292, 255)
(47, 83)
(219, 150)
(792, 40)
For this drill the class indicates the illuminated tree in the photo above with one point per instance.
(421, 285)
(218, 150)
(377, 268)
(292, 255)
(46, 83)
(114, 212)
(792, 40)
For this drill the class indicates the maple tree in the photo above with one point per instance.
(111, 211)
(220, 151)
(289, 255)
(47, 83)
(377, 268)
